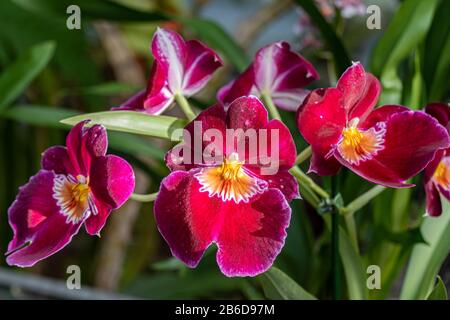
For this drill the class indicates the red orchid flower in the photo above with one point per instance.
(180, 67)
(386, 145)
(437, 173)
(277, 71)
(78, 184)
(232, 202)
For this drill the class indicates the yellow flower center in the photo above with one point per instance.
(442, 175)
(230, 181)
(73, 196)
(359, 145)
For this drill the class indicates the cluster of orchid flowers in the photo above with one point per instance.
(232, 203)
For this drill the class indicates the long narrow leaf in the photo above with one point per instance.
(16, 78)
(133, 122)
(215, 36)
(278, 285)
(50, 117)
(436, 66)
(341, 57)
(105, 9)
(426, 259)
(406, 30)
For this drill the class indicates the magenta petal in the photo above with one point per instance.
(252, 234)
(74, 143)
(369, 98)
(277, 69)
(381, 114)
(323, 165)
(111, 180)
(433, 201)
(136, 102)
(57, 159)
(432, 166)
(247, 113)
(287, 152)
(186, 218)
(411, 140)
(211, 118)
(351, 84)
(283, 181)
(441, 111)
(201, 62)
(169, 50)
(159, 97)
(96, 141)
(35, 217)
(360, 91)
(95, 222)
(291, 99)
(241, 86)
(321, 120)
(84, 144)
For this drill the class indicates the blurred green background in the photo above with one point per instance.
(48, 72)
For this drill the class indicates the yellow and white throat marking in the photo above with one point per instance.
(230, 181)
(442, 174)
(358, 145)
(74, 197)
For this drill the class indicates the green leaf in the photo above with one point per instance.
(406, 30)
(134, 122)
(39, 115)
(50, 117)
(165, 285)
(439, 292)
(215, 36)
(426, 259)
(102, 89)
(105, 9)
(16, 78)
(436, 66)
(341, 57)
(355, 274)
(277, 285)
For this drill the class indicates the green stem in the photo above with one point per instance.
(304, 180)
(335, 259)
(362, 200)
(144, 197)
(351, 230)
(184, 105)
(304, 155)
(273, 111)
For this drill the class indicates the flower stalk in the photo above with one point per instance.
(303, 156)
(184, 105)
(304, 180)
(268, 102)
(144, 197)
(335, 262)
(362, 200)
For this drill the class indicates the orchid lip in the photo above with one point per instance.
(230, 181)
(358, 145)
(441, 175)
(74, 197)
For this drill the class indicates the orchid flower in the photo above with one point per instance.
(180, 68)
(276, 71)
(437, 173)
(387, 145)
(230, 202)
(78, 184)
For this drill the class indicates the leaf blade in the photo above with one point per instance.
(278, 285)
(16, 78)
(133, 122)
